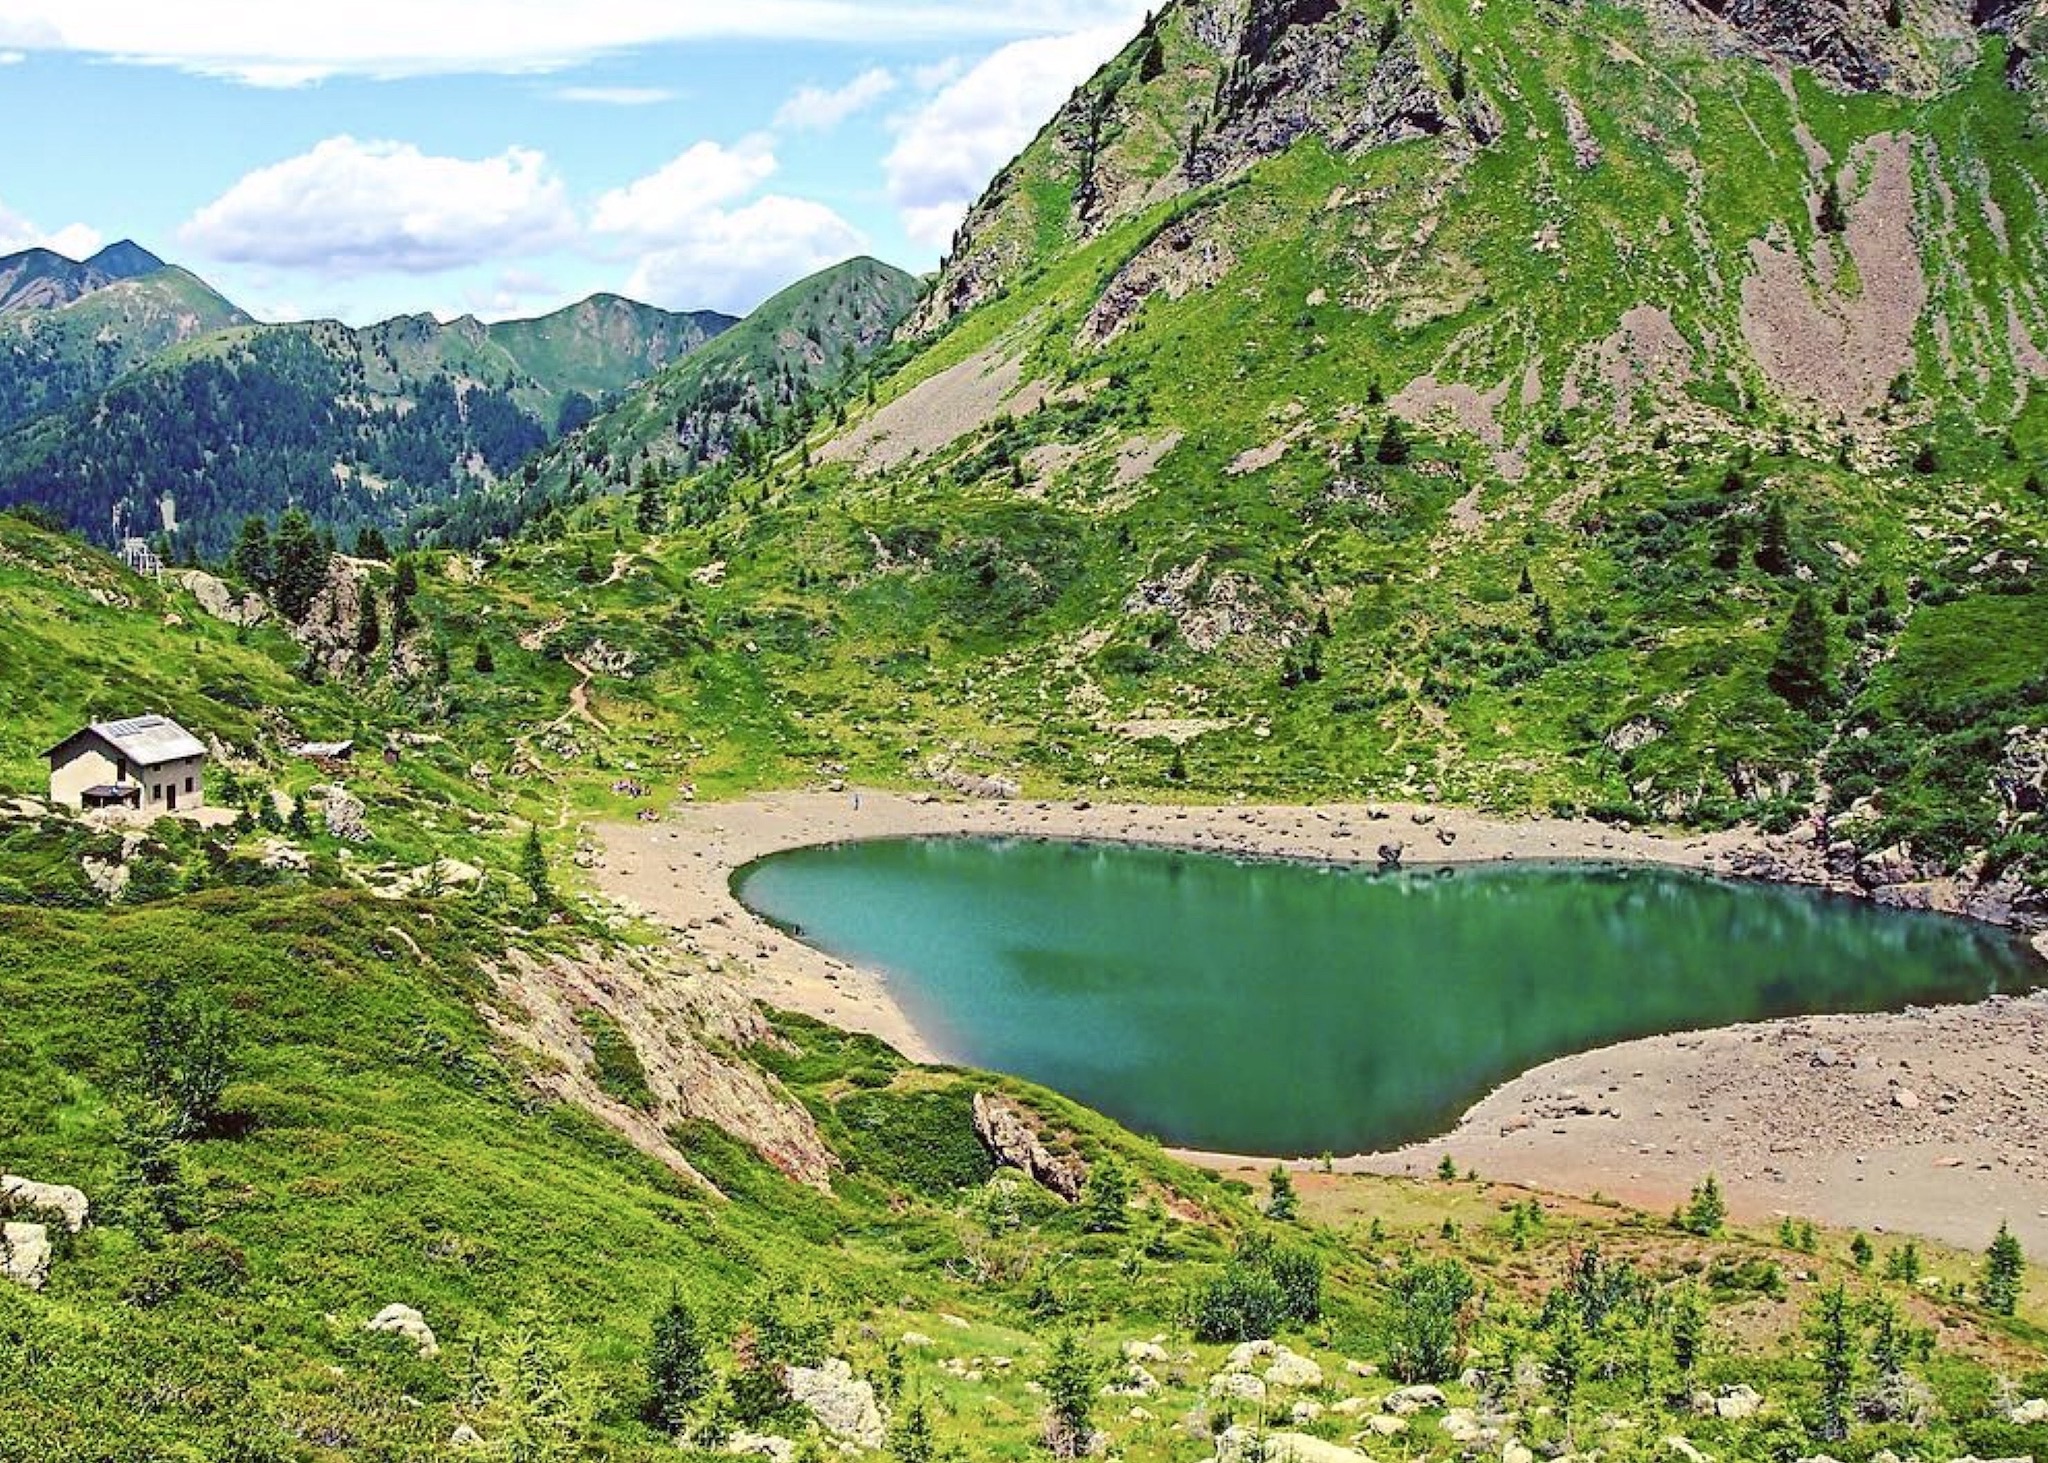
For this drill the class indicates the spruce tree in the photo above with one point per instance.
(254, 561)
(301, 566)
(1706, 1211)
(1282, 1203)
(678, 1373)
(1834, 1336)
(1830, 216)
(1106, 1198)
(533, 868)
(369, 632)
(2004, 1271)
(1070, 1379)
(1393, 449)
(1800, 673)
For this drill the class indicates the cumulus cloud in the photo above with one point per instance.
(615, 96)
(695, 182)
(12, 58)
(814, 109)
(73, 241)
(291, 45)
(948, 149)
(732, 260)
(349, 207)
(703, 239)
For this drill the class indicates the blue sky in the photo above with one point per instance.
(505, 157)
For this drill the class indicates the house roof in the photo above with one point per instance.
(147, 741)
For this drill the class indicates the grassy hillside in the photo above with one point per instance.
(1470, 430)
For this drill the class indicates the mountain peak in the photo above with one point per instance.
(125, 259)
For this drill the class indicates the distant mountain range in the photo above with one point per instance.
(135, 400)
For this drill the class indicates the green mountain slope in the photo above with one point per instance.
(739, 395)
(542, 1128)
(69, 330)
(142, 412)
(1411, 402)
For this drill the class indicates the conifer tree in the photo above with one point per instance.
(1106, 1198)
(533, 868)
(1800, 673)
(678, 1372)
(1282, 1203)
(2004, 1270)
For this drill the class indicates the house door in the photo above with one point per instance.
(171, 793)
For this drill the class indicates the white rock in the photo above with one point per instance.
(1245, 1353)
(25, 1254)
(1738, 1403)
(917, 1338)
(401, 1320)
(20, 1196)
(1463, 1426)
(464, 1436)
(1290, 1370)
(843, 1404)
(1305, 1411)
(1238, 1386)
(1684, 1449)
(761, 1445)
(1362, 1368)
(1146, 1353)
(1407, 1401)
(1387, 1425)
(1238, 1443)
(1516, 1452)
(2029, 1413)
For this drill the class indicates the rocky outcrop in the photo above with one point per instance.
(25, 1254)
(236, 607)
(1013, 1139)
(60, 1201)
(344, 814)
(2020, 780)
(408, 1324)
(844, 1405)
(689, 1030)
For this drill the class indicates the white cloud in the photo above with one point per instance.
(704, 240)
(949, 148)
(815, 109)
(615, 96)
(12, 58)
(73, 241)
(349, 208)
(697, 181)
(733, 260)
(292, 45)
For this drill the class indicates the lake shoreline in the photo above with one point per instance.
(1785, 1138)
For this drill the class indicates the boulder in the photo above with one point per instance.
(465, 1436)
(1237, 1387)
(760, 1445)
(219, 601)
(1464, 1428)
(1290, 1370)
(1242, 1444)
(1407, 1401)
(347, 818)
(1012, 1139)
(403, 1321)
(843, 1404)
(1146, 1353)
(1738, 1403)
(25, 1254)
(1246, 1354)
(25, 1196)
(1386, 1425)
(1390, 855)
(1513, 1451)
(2029, 1413)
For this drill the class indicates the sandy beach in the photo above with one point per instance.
(1927, 1122)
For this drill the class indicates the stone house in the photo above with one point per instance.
(148, 763)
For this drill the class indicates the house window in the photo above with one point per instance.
(188, 784)
(156, 792)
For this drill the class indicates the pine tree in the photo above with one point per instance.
(2004, 1272)
(533, 868)
(1861, 1253)
(1800, 673)
(1834, 1335)
(483, 661)
(369, 632)
(678, 1372)
(1706, 1211)
(910, 1438)
(1688, 1328)
(1774, 543)
(254, 561)
(1394, 448)
(1106, 1198)
(1070, 1378)
(1903, 1263)
(1282, 1203)
(301, 566)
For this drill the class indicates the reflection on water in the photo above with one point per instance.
(1263, 1007)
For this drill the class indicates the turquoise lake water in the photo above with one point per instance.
(1290, 1008)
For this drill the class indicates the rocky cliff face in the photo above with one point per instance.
(1212, 87)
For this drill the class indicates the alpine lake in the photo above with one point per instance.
(1268, 1007)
